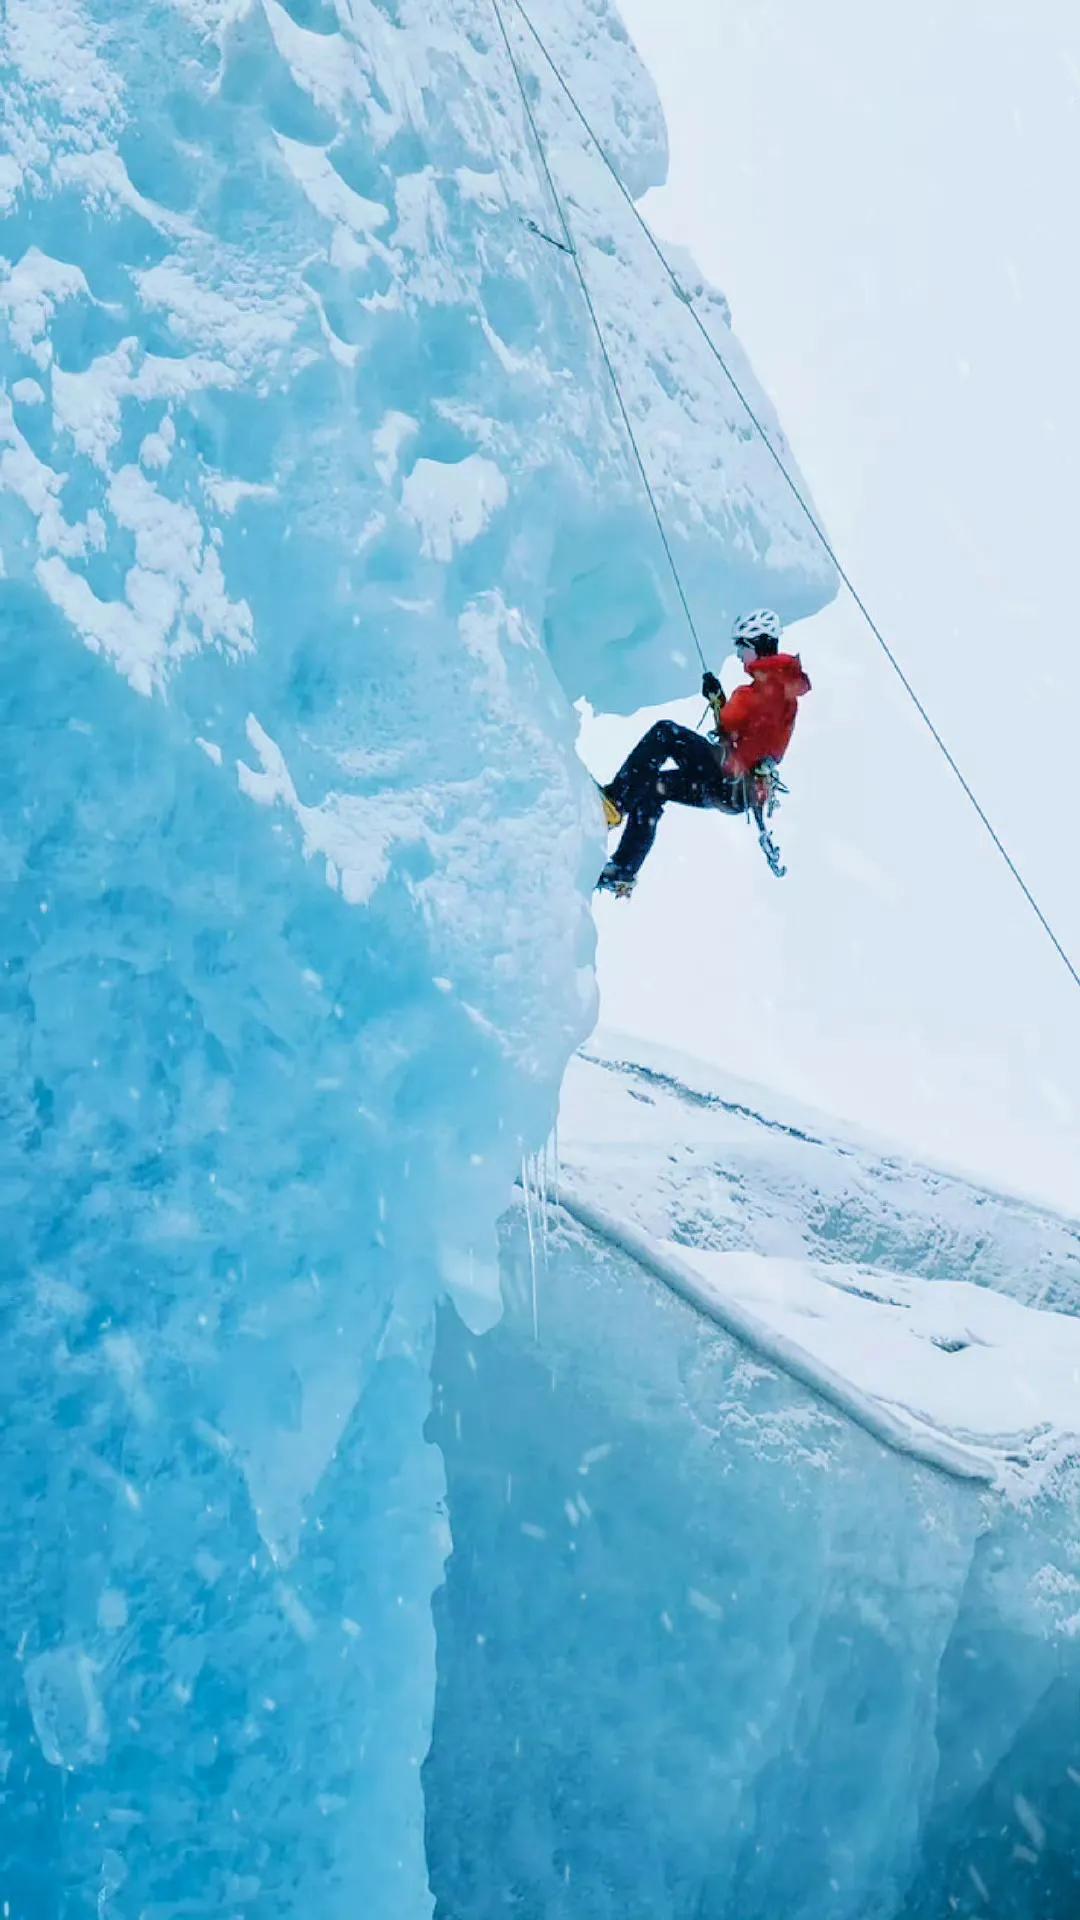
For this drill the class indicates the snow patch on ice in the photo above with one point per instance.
(157, 448)
(324, 64)
(89, 405)
(453, 504)
(388, 441)
(354, 835)
(31, 291)
(175, 597)
(1001, 1376)
(328, 193)
(244, 325)
(691, 1154)
(10, 181)
(228, 495)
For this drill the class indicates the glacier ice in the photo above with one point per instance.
(706, 1647)
(315, 515)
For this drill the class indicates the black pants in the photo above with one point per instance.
(642, 790)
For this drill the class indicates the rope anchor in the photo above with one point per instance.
(534, 227)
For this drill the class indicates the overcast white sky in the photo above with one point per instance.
(887, 196)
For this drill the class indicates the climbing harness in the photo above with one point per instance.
(792, 484)
(768, 786)
(761, 790)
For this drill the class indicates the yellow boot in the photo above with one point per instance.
(612, 814)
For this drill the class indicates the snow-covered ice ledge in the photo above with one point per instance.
(707, 1645)
(759, 1333)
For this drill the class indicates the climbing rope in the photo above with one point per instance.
(567, 246)
(687, 301)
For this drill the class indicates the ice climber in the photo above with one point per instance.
(733, 770)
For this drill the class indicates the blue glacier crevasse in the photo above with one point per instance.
(707, 1648)
(691, 1667)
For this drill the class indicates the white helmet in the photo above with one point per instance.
(762, 624)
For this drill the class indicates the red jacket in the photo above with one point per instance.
(759, 719)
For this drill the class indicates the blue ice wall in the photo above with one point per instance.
(707, 1650)
(220, 1527)
(314, 509)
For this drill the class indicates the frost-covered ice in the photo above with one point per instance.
(315, 515)
(715, 1163)
(708, 1647)
(955, 1359)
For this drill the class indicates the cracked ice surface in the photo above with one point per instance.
(304, 451)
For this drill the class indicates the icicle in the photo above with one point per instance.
(532, 1245)
(545, 1202)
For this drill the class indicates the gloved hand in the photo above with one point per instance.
(710, 686)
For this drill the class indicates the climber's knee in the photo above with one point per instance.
(662, 734)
